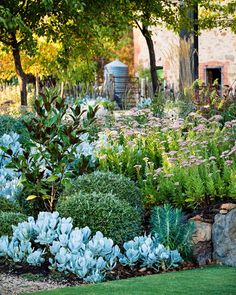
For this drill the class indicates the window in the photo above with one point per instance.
(213, 74)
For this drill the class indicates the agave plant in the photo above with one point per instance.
(171, 228)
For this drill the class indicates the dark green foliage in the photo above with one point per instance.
(7, 219)
(8, 206)
(115, 218)
(172, 229)
(54, 131)
(108, 182)
(14, 124)
(7, 124)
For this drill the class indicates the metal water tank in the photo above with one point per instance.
(118, 73)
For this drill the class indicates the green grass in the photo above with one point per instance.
(213, 280)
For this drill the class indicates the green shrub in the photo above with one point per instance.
(8, 206)
(7, 219)
(172, 229)
(13, 124)
(54, 139)
(115, 218)
(7, 124)
(108, 182)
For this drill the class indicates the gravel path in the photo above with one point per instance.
(14, 285)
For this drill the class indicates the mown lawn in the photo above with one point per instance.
(213, 280)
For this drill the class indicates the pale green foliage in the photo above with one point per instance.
(188, 163)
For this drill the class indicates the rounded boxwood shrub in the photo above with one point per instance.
(115, 218)
(8, 206)
(7, 219)
(108, 182)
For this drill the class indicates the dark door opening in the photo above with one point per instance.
(213, 74)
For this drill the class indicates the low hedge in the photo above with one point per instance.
(108, 182)
(7, 219)
(8, 206)
(115, 218)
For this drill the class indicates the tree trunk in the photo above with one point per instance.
(22, 78)
(147, 35)
(62, 89)
(195, 43)
(37, 86)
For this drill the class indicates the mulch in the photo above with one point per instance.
(16, 279)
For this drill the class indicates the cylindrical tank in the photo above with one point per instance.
(117, 71)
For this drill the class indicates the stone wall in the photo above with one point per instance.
(224, 237)
(167, 53)
(216, 49)
(217, 241)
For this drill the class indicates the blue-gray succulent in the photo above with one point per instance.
(9, 179)
(53, 239)
(145, 251)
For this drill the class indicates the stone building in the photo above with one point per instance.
(217, 56)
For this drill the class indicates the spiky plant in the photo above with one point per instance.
(172, 229)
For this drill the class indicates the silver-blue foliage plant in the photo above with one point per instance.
(53, 239)
(147, 252)
(9, 179)
(144, 103)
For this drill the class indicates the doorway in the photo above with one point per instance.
(213, 74)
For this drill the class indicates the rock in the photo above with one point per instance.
(223, 211)
(142, 269)
(224, 238)
(202, 232)
(197, 218)
(202, 250)
(228, 206)
(203, 253)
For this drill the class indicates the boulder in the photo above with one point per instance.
(224, 238)
(202, 232)
(228, 206)
(202, 250)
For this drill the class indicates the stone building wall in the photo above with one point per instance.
(217, 49)
(167, 54)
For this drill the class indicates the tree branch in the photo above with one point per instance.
(137, 23)
(22, 5)
(5, 41)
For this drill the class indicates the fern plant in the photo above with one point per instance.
(172, 229)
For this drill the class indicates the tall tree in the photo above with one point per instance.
(79, 26)
(21, 20)
(147, 13)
